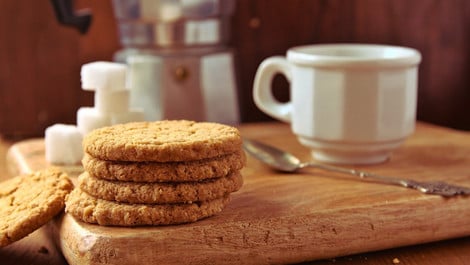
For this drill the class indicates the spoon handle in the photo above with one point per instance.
(432, 187)
(358, 173)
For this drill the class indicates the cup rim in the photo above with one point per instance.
(340, 55)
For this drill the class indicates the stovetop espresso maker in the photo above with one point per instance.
(181, 66)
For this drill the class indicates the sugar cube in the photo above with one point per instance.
(106, 76)
(63, 144)
(112, 101)
(89, 118)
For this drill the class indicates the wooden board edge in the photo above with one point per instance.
(279, 240)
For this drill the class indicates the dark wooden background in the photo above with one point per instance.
(40, 60)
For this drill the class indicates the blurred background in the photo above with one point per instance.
(40, 59)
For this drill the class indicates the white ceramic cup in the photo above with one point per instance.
(349, 103)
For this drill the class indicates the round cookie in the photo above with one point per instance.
(162, 141)
(29, 201)
(164, 172)
(160, 192)
(92, 210)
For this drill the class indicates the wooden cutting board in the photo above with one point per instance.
(288, 218)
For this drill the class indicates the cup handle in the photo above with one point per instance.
(262, 89)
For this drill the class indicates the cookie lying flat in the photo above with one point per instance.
(29, 201)
(162, 141)
(164, 172)
(92, 210)
(160, 192)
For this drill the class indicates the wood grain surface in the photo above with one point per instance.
(288, 218)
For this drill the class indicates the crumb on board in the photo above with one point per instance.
(396, 261)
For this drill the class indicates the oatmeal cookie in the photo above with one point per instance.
(160, 192)
(29, 201)
(89, 209)
(162, 141)
(164, 172)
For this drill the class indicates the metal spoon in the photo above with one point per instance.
(287, 162)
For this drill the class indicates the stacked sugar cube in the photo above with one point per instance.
(108, 80)
(112, 97)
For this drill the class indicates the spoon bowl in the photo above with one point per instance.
(272, 156)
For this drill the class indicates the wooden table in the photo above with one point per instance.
(39, 248)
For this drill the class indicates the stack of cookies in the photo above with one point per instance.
(157, 173)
